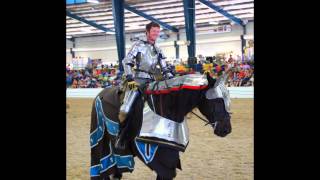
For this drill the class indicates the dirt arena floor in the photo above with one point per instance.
(207, 157)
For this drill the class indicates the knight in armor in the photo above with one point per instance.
(140, 67)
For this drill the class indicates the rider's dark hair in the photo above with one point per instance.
(150, 25)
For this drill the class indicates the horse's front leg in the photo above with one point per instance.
(116, 176)
(162, 178)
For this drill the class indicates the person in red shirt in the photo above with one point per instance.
(241, 75)
(98, 72)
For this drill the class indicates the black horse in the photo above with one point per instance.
(109, 162)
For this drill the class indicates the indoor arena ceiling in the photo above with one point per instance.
(168, 11)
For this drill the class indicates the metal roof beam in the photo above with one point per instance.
(223, 12)
(165, 25)
(118, 17)
(190, 26)
(93, 24)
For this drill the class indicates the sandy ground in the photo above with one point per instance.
(207, 156)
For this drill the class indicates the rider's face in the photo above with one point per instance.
(153, 34)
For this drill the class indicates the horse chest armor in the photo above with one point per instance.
(156, 126)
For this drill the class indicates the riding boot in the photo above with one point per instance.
(128, 101)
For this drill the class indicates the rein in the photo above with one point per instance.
(205, 120)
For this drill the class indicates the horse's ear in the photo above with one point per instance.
(211, 81)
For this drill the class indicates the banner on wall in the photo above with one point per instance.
(215, 29)
(79, 63)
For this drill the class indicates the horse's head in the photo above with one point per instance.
(215, 105)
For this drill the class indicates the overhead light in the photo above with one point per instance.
(69, 37)
(135, 26)
(93, 1)
(181, 43)
(214, 22)
(110, 32)
(85, 29)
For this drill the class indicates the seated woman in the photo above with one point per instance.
(82, 83)
(235, 79)
(75, 83)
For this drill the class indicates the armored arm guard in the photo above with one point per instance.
(165, 68)
(129, 61)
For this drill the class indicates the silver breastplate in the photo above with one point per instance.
(147, 61)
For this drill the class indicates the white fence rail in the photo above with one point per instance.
(235, 92)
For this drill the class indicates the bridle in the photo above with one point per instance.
(205, 120)
(214, 124)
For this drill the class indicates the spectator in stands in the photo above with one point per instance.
(98, 71)
(198, 66)
(230, 60)
(230, 79)
(235, 79)
(246, 78)
(68, 67)
(112, 72)
(105, 84)
(79, 76)
(241, 75)
(68, 80)
(246, 66)
(87, 73)
(75, 83)
(91, 83)
(108, 73)
(252, 80)
(82, 83)
(97, 85)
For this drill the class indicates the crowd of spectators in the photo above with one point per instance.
(242, 74)
(91, 77)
